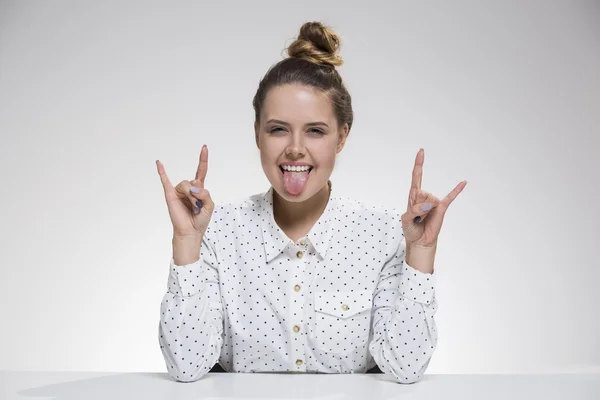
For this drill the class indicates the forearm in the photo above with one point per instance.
(405, 337)
(190, 331)
(405, 333)
(421, 258)
(190, 337)
(186, 249)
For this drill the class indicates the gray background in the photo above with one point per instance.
(503, 94)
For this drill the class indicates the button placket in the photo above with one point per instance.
(297, 306)
(302, 247)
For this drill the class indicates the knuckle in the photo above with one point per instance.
(183, 187)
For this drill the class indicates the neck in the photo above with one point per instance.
(293, 214)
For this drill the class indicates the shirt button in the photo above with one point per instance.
(296, 288)
(303, 242)
(296, 328)
(345, 307)
(299, 362)
(299, 254)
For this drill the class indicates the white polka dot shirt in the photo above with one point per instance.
(339, 300)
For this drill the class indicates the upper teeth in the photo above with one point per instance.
(295, 168)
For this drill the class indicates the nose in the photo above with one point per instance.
(296, 146)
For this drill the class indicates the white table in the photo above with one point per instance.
(229, 386)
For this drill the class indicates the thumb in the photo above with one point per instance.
(203, 198)
(419, 211)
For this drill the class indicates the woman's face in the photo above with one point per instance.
(297, 125)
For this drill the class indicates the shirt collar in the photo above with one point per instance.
(275, 240)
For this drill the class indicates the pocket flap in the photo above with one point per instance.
(343, 304)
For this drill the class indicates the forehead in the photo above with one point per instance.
(297, 103)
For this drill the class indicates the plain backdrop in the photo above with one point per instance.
(503, 94)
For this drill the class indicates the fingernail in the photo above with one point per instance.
(194, 189)
(199, 203)
(426, 207)
(196, 210)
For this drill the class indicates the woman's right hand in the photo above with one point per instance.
(181, 201)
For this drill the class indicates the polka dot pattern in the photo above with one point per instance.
(339, 300)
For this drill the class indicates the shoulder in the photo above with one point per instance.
(245, 206)
(347, 207)
(229, 215)
(372, 220)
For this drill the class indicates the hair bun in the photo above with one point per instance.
(318, 44)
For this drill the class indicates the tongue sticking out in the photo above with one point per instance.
(294, 181)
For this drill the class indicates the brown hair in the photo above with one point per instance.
(312, 61)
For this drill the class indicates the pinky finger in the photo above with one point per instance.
(164, 179)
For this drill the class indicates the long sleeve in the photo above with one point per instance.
(191, 319)
(404, 329)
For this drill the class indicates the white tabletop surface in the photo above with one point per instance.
(255, 386)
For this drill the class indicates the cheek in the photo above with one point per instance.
(269, 152)
(324, 156)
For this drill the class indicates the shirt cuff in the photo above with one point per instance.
(186, 280)
(416, 285)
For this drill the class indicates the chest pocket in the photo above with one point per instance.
(342, 320)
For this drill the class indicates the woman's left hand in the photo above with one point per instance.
(425, 232)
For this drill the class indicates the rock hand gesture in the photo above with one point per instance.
(189, 203)
(425, 213)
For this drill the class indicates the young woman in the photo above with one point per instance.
(299, 279)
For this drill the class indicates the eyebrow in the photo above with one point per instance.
(277, 121)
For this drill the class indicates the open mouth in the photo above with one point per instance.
(282, 170)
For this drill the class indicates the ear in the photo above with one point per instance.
(256, 126)
(342, 137)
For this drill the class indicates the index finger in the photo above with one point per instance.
(202, 166)
(417, 175)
